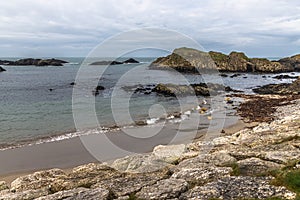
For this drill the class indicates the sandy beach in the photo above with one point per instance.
(70, 153)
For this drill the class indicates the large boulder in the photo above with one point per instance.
(164, 189)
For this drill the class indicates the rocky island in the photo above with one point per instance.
(128, 61)
(34, 62)
(190, 60)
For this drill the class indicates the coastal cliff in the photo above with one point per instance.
(190, 60)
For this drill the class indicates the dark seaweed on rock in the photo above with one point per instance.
(34, 62)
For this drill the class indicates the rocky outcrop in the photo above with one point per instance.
(247, 164)
(282, 89)
(128, 61)
(291, 62)
(200, 89)
(34, 62)
(97, 90)
(193, 61)
(238, 188)
(2, 69)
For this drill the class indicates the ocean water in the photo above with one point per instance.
(36, 102)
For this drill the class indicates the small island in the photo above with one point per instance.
(129, 61)
(34, 62)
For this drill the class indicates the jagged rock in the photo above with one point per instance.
(36, 180)
(191, 60)
(106, 63)
(200, 176)
(164, 189)
(264, 65)
(220, 159)
(79, 193)
(256, 166)
(130, 60)
(85, 176)
(25, 195)
(291, 62)
(140, 164)
(35, 62)
(285, 77)
(97, 89)
(131, 183)
(200, 89)
(170, 153)
(3, 185)
(282, 157)
(2, 69)
(284, 88)
(239, 188)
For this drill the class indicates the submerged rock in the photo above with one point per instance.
(2, 69)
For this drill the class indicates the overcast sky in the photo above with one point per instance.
(74, 27)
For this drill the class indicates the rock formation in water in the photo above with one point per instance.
(34, 62)
(282, 89)
(190, 60)
(2, 69)
(129, 61)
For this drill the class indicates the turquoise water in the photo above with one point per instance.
(30, 111)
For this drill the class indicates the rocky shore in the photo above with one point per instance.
(34, 62)
(258, 162)
(191, 60)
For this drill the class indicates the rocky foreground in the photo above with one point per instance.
(191, 60)
(258, 162)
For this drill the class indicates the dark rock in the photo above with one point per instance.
(291, 62)
(106, 63)
(285, 77)
(141, 123)
(97, 89)
(130, 60)
(2, 69)
(34, 62)
(283, 89)
(73, 83)
(235, 75)
(223, 75)
(50, 89)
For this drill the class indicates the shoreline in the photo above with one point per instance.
(70, 153)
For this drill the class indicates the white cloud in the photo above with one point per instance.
(77, 26)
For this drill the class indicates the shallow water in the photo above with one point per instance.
(30, 111)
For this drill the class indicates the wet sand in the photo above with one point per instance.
(72, 152)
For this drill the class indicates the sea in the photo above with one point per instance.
(36, 102)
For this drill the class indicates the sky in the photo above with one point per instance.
(62, 28)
